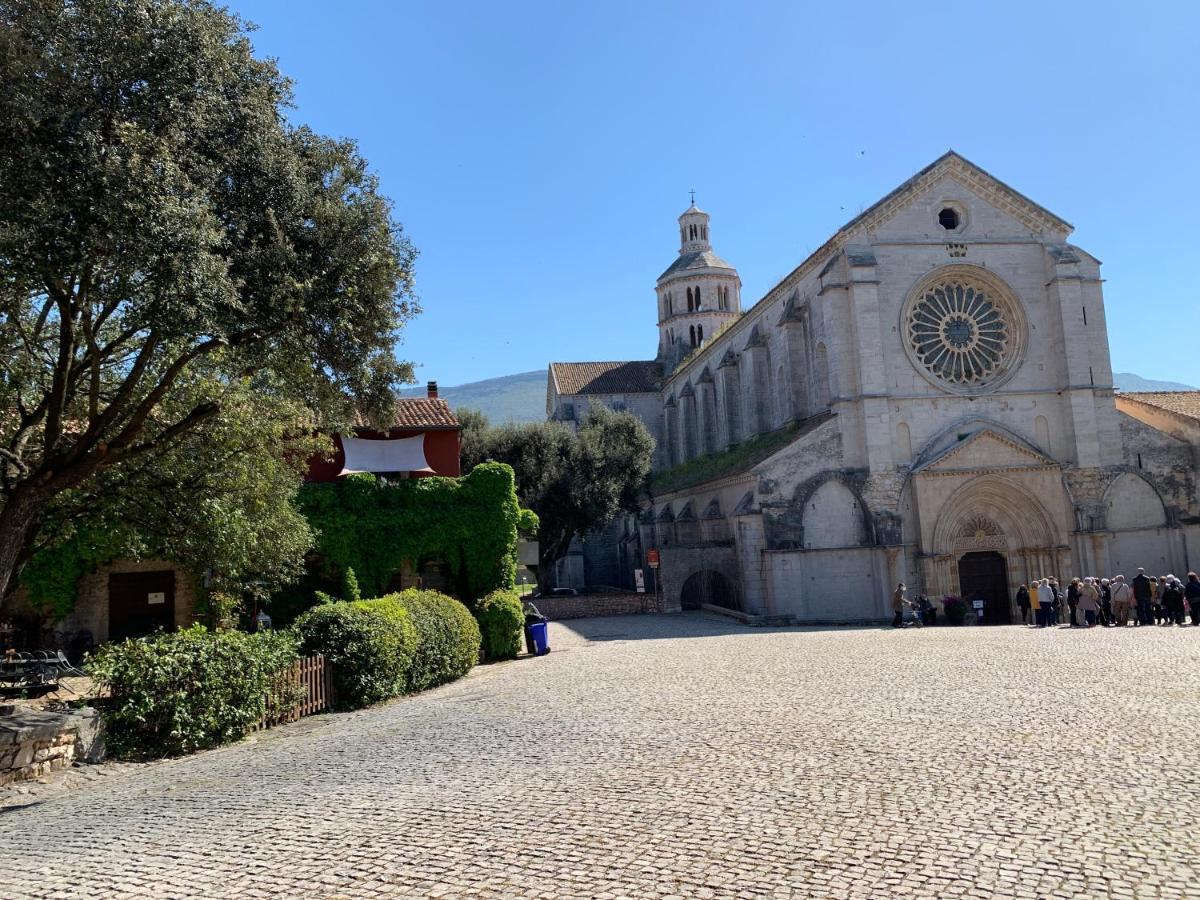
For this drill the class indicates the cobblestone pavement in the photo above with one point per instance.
(683, 756)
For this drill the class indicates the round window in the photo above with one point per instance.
(949, 219)
(962, 332)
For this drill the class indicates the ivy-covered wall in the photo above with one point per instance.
(374, 527)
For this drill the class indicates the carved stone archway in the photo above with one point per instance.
(991, 513)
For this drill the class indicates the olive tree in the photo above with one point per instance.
(168, 242)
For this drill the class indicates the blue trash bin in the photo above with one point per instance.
(541, 640)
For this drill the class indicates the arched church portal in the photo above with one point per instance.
(990, 536)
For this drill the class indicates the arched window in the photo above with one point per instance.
(692, 334)
(697, 297)
(699, 335)
(704, 232)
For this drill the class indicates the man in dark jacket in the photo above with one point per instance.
(1141, 596)
(1191, 591)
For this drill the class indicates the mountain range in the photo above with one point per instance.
(522, 397)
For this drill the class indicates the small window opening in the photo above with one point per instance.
(1084, 315)
(948, 218)
(1139, 460)
(1091, 377)
(699, 335)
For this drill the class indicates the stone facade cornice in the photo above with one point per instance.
(985, 470)
(714, 484)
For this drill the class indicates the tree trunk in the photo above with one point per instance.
(18, 516)
(549, 553)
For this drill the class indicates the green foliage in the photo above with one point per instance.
(575, 481)
(501, 621)
(173, 249)
(51, 577)
(220, 500)
(188, 690)
(374, 527)
(737, 458)
(221, 610)
(448, 638)
(369, 643)
(350, 589)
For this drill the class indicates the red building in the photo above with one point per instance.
(425, 440)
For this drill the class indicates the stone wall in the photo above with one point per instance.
(587, 605)
(34, 743)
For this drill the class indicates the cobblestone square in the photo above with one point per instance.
(682, 756)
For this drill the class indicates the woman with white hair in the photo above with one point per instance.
(1172, 601)
(1089, 601)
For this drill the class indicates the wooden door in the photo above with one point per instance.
(986, 574)
(140, 603)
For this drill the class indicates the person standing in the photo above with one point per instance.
(1156, 610)
(1045, 595)
(1122, 600)
(1089, 601)
(1141, 597)
(1023, 603)
(1106, 611)
(1056, 602)
(1073, 599)
(1191, 591)
(898, 603)
(1172, 601)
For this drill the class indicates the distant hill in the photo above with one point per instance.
(1127, 381)
(522, 398)
(510, 398)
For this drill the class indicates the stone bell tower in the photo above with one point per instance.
(697, 294)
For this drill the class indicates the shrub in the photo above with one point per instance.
(189, 690)
(501, 620)
(370, 645)
(448, 637)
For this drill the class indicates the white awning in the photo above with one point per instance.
(392, 455)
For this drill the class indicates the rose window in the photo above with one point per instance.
(960, 332)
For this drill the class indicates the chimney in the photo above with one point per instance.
(431, 388)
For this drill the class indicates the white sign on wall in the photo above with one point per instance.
(639, 578)
(156, 597)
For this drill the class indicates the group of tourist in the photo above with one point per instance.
(1113, 603)
(1087, 602)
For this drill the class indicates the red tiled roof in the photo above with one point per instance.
(1182, 403)
(634, 377)
(424, 412)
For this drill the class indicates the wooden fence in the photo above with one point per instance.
(301, 690)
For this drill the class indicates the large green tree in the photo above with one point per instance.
(169, 243)
(576, 481)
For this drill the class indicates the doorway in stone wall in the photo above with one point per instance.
(985, 573)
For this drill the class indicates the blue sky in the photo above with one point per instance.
(538, 154)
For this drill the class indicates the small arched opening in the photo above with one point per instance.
(709, 587)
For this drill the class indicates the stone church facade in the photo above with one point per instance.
(927, 398)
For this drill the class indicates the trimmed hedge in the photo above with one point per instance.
(448, 638)
(501, 618)
(178, 692)
(370, 644)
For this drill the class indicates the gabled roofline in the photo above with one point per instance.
(950, 163)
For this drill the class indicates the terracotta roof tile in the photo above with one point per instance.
(424, 412)
(633, 377)
(1182, 403)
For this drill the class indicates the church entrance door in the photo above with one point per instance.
(985, 574)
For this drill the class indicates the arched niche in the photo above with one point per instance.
(833, 517)
(1130, 502)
